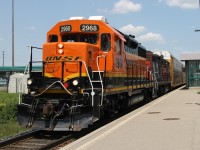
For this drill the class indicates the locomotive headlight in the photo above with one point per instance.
(60, 51)
(60, 45)
(75, 82)
(29, 81)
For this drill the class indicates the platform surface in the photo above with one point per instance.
(171, 122)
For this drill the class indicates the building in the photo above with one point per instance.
(192, 68)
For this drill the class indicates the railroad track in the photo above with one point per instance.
(37, 140)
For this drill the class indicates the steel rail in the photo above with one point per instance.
(37, 139)
(17, 138)
(57, 142)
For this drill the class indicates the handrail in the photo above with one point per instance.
(20, 91)
(51, 86)
(26, 69)
(102, 88)
(92, 93)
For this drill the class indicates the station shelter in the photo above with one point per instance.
(192, 68)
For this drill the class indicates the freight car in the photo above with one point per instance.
(160, 73)
(177, 76)
(90, 70)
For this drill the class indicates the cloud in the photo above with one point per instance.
(131, 29)
(126, 6)
(184, 4)
(151, 37)
(141, 36)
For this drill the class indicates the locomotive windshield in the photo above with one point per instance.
(87, 38)
(70, 38)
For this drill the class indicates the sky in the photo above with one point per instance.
(157, 24)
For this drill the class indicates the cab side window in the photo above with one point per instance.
(105, 41)
(53, 38)
(118, 46)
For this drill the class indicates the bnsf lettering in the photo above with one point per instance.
(68, 58)
(57, 58)
(53, 58)
(61, 58)
(78, 58)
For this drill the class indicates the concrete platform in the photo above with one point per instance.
(171, 122)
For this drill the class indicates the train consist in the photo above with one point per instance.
(92, 70)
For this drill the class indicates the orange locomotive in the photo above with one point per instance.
(90, 70)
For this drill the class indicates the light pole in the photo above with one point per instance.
(13, 64)
(3, 58)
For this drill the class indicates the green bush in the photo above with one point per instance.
(8, 112)
(8, 107)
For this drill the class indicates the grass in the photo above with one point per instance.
(9, 129)
(8, 111)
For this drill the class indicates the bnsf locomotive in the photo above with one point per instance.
(91, 70)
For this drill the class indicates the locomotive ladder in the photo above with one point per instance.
(155, 88)
(96, 104)
(92, 83)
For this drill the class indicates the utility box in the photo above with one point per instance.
(18, 83)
